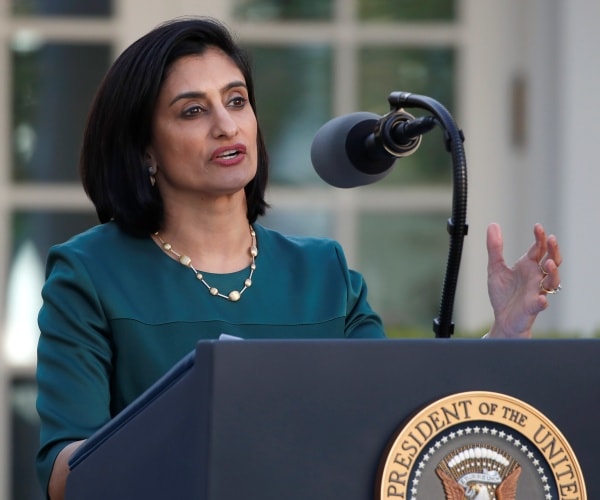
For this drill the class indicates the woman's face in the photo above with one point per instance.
(204, 129)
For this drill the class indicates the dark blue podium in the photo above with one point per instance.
(300, 419)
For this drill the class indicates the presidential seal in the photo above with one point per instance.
(479, 446)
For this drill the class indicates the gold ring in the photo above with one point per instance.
(544, 272)
(550, 292)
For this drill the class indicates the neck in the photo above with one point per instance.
(211, 249)
(216, 238)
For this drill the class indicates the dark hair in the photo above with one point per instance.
(119, 125)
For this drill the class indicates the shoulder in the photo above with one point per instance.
(97, 234)
(273, 237)
(296, 247)
(98, 239)
(100, 247)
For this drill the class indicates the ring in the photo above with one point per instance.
(544, 272)
(550, 292)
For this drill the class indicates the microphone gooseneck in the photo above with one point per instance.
(457, 226)
(361, 148)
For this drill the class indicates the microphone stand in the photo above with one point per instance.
(457, 226)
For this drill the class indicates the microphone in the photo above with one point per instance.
(361, 148)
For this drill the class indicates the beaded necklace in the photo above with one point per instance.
(186, 261)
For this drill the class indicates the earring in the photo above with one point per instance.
(152, 172)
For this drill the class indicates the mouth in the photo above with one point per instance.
(230, 152)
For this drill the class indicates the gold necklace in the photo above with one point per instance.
(186, 261)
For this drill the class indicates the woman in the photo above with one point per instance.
(175, 164)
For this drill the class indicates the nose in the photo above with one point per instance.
(224, 124)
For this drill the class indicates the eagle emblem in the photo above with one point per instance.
(479, 472)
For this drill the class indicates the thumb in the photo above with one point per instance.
(495, 245)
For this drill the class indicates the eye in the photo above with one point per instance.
(238, 101)
(191, 111)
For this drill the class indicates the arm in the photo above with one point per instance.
(361, 320)
(73, 367)
(60, 471)
(519, 293)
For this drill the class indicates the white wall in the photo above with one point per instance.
(579, 137)
(552, 178)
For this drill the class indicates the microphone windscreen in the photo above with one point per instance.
(339, 152)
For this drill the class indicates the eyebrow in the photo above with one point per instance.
(198, 95)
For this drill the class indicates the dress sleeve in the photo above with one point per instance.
(361, 320)
(74, 359)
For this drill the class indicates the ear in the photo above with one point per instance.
(149, 158)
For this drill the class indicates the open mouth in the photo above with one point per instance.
(228, 155)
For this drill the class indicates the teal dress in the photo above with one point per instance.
(118, 313)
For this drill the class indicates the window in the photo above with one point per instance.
(406, 10)
(316, 60)
(52, 69)
(52, 87)
(89, 8)
(286, 10)
(313, 60)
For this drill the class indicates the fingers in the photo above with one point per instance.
(551, 258)
(550, 278)
(549, 263)
(554, 250)
(544, 251)
(550, 284)
(539, 247)
(494, 244)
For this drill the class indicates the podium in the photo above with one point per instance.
(303, 419)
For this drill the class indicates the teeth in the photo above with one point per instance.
(228, 154)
